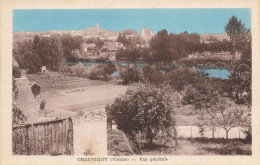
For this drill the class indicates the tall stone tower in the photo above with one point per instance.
(147, 34)
(97, 26)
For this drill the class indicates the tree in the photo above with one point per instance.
(43, 50)
(32, 62)
(109, 68)
(36, 41)
(19, 50)
(144, 108)
(229, 114)
(237, 33)
(181, 77)
(240, 88)
(56, 52)
(70, 43)
(160, 46)
(76, 53)
(203, 95)
(245, 123)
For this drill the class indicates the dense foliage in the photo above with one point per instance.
(144, 108)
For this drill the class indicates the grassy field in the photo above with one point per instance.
(53, 81)
(67, 95)
(186, 118)
(198, 146)
(118, 145)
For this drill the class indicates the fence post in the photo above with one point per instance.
(191, 132)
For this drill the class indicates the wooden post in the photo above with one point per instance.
(238, 133)
(191, 132)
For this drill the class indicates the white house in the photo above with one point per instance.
(44, 69)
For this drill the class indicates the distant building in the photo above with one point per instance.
(76, 33)
(112, 46)
(46, 35)
(86, 46)
(44, 69)
(147, 34)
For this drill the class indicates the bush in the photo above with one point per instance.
(42, 105)
(153, 75)
(18, 117)
(79, 69)
(16, 72)
(80, 113)
(65, 68)
(130, 75)
(118, 143)
(109, 68)
(98, 72)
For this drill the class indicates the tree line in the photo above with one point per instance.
(164, 47)
(49, 51)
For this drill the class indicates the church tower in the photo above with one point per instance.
(97, 26)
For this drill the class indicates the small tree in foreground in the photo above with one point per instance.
(18, 117)
(144, 108)
(229, 114)
(225, 113)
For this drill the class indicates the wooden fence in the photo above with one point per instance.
(46, 138)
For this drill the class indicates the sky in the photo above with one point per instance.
(173, 20)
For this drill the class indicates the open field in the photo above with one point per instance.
(67, 95)
(91, 99)
(54, 81)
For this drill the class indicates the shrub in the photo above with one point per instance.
(118, 143)
(80, 113)
(98, 72)
(130, 75)
(79, 69)
(153, 75)
(42, 104)
(109, 68)
(18, 117)
(65, 68)
(16, 72)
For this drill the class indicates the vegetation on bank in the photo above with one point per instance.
(147, 111)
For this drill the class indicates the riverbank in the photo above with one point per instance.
(218, 70)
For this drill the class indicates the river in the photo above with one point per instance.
(212, 72)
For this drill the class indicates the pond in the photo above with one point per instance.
(212, 72)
